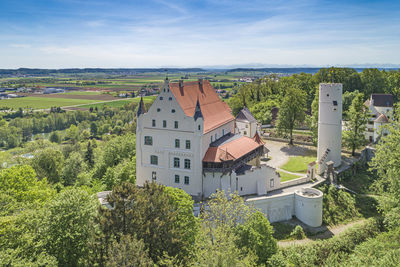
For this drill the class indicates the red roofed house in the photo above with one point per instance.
(187, 140)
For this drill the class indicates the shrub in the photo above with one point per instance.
(298, 233)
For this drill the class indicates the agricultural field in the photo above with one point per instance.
(41, 102)
(119, 103)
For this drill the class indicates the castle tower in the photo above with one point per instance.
(329, 125)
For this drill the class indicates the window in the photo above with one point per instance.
(177, 143)
(216, 136)
(187, 144)
(223, 132)
(170, 98)
(159, 109)
(173, 110)
(335, 103)
(327, 95)
(153, 123)
(161, 98)
(176, 163)
(164, 90)
(177, 179)
(247, 126)
(186, 179)
(148, 140)
(187, 163)
(199, 127)
(211, 139)
(164, 123)
(244, 132)
(176, 124)
(153, 160)
(271, 183)
(154, 176)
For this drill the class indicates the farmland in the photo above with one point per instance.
(41, 102)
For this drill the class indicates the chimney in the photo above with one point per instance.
(201, 85)
(181, 86)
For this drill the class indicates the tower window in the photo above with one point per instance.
(186, 179)
(327, 95)
(173, 110)
(164, 123)
(153, 160)
(177, 179)
(148, 140)
(158, 110)
(154, 176)
(335, 103)
(177, 143)
(153, 123)
(187, 163)
(161, 98)
(176, 163)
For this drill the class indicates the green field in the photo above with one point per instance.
(287, 176)
(298, 164)
(119, 103)
(42, 102)
(81, 93)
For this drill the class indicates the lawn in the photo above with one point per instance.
(120, 103)
(42, 102)
(287, 176)
(298, 164)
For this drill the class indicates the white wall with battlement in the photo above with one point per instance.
(305, 204)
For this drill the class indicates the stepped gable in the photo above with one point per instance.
(245, 116)
(231, 150)
(214, 111)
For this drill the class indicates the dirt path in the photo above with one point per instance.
(332, 231)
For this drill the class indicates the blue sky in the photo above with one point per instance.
(159, 33)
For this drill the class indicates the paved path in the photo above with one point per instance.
(280, 152)
(330, 232)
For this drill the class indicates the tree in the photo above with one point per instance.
(262, 111)
(357, 116)
(49, 163)
(151, 214)
(89, 156)
(373, 81)
(291, 111)
(93, 128)
(20, 183)
(66, 226)
(73, 166)
(255, 235)
(55, 137)
(313, 119)
(72, 133)
(128, 252)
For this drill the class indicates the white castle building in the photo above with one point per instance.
(187, 139)
(381, 109)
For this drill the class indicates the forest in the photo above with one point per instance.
(54, 163)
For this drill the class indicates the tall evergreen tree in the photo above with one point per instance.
(89, 157)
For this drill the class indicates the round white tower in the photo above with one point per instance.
(329, 125)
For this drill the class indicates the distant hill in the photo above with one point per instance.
(27, 71)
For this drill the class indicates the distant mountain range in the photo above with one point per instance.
(285, 69)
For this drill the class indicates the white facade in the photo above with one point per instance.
(380, 116)
(248, 129)
(329, 125)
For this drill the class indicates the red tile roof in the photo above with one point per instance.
(233, 150)
(215, 111)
